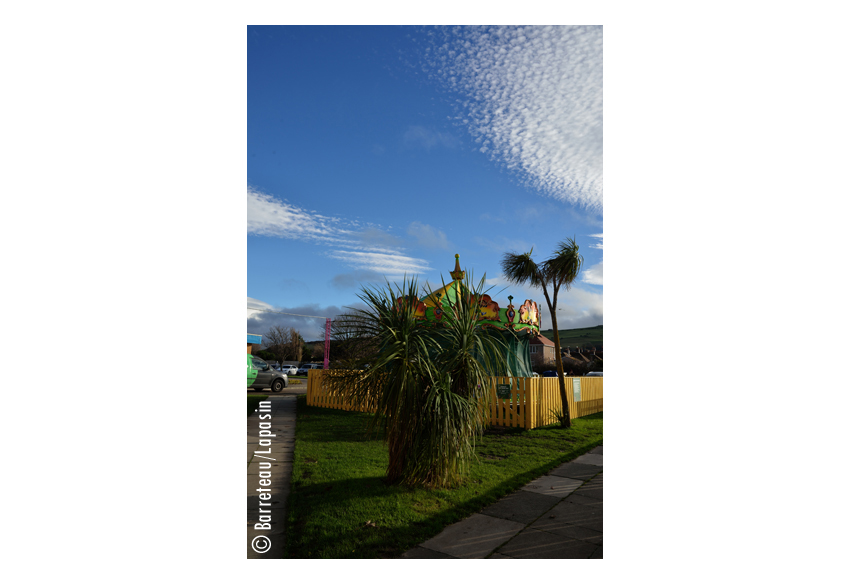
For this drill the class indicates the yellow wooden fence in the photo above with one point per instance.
(533, 401)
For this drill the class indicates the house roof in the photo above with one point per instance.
(541, 340)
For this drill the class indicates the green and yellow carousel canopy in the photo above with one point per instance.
(432, 307)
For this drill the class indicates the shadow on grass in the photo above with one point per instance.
(331, 518)
(347, 495)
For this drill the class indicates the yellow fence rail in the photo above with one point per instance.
(533, 401)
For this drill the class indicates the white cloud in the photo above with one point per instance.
(254, 304)
(383, 263)
(533, 100)
(369, 248)
(577, 308)
(272, 217)
(597, 245)
(593, 274)
(427, 236)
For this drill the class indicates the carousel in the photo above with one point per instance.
(516, 326)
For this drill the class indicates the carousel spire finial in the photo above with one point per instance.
(457, 274)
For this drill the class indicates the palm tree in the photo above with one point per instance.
(559, 271)
(428, 382)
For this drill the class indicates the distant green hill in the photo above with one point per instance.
(580, 337)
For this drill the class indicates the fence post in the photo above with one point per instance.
(526, 400)
(309, 391)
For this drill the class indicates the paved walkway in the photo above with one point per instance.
(270, 468)
(558, 515)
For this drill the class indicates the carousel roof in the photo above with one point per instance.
(523, 319)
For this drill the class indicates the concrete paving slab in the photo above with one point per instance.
(276, 468)
(565, 515)
(578, 532)
(532, 543)
(279, 447)
(273, 456)
(273, 447)
(597, 450)
(521, 506)
(275, 508)
(553, 486)
(590, 459)
(279, 491)
(597, 554)
(277, 523)
(282, 424)
(582, 500)
(272, 544)
(421, 553)
(576, 470)
(279, 485)
(591, 489)
(474, 537)
(276, 435)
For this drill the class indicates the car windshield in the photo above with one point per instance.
(258, 363)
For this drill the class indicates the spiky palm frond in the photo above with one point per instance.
(564, 266)
(519, 268)
(429, 384)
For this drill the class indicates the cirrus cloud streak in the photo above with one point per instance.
(365, 249)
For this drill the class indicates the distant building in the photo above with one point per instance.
(541, 349)
(254, 341)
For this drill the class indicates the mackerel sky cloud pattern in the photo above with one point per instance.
(533, 100)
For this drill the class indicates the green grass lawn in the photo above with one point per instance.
(253, 400)
(337, 484)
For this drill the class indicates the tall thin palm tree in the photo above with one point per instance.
(427, 382)
(558, 272)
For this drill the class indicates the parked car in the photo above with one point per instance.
(261, 376)
(594, 374)
(550, 374)
(307, 366)
(290, 369)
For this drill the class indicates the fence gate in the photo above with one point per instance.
(510, 401)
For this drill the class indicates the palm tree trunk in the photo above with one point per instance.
(397, 447)
(565, 404)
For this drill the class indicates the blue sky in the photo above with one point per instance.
(375, 152)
